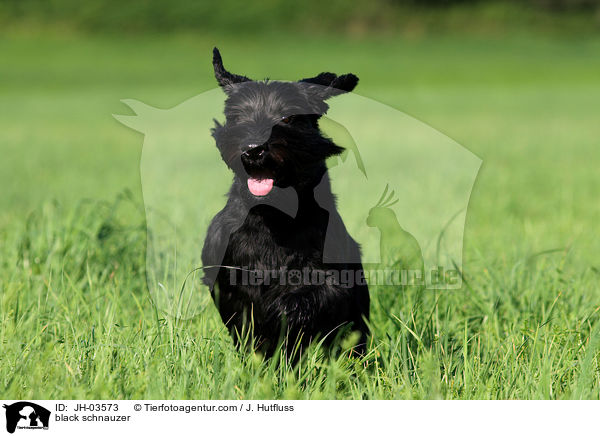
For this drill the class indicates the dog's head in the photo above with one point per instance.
(271, 134)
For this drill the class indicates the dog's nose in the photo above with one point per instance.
(253, 151)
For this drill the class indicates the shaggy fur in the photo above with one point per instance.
(271, 132)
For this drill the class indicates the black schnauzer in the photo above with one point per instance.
(280, 263)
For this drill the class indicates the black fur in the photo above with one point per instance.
(271, 132)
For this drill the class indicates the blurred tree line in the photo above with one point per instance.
(238, 16)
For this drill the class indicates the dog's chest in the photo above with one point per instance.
(271, 239)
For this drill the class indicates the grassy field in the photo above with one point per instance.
(76, 320)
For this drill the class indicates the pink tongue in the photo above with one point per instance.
(260, 187)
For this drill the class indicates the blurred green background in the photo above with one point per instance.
(517, 83)
(482, 72)
(358, 17)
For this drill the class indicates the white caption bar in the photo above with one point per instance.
(143, 417)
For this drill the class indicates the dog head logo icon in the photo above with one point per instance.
(26, 415)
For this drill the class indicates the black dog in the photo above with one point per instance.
(278, 259)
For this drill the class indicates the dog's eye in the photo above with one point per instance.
(286, 120)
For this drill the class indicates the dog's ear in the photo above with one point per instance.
(331, 84)
(224, 77)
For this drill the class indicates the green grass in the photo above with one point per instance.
(76, 320)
